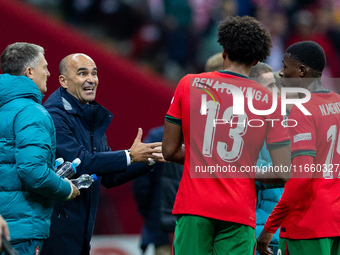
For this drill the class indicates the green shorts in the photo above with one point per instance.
(201, 236)
(282, 249)
(319, 246)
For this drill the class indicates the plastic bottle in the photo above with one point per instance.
(84, 181)
(68, 169)
(58, 162)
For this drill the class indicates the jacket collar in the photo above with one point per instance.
(63, 100)
(73, 106)
(13, 87)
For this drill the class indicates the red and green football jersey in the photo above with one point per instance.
(310, 204)
(229, 195)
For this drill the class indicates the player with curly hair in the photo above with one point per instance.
(216, 210)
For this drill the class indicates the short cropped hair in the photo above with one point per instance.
(309, 53)
(18, 56)
(63, 65)
(214, 63)
(259, 69)
(245, 39)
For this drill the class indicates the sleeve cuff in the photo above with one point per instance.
(69, 196)
(151, 162)
(128, 160)
(270, 230)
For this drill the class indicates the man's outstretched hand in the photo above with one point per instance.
(142, 152)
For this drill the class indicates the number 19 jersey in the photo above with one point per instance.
(221, 147)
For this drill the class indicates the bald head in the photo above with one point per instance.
(214, 63)
(78, 75)
(66, 61)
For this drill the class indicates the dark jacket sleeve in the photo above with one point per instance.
(143, 183)
(171, 177)
(99, 163)
(134, 171)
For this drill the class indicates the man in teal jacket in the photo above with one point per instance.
(28, 183)
(267, 195)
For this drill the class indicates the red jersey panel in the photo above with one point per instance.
(310, 206)
(228, 196)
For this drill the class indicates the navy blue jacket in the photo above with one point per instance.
(80, 132)
(156, 201)
(147, 193)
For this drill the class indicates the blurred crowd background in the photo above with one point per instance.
(176, 37)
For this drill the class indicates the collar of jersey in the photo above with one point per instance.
(321, 91)
(234, 74)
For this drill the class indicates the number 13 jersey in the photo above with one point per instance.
(221, 148)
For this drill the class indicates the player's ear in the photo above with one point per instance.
(224, 54)
(63, 81)
(29, 72)
(304, 71)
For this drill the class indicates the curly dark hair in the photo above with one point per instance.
(245, 39)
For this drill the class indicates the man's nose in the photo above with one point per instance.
(281, 73)
(91, 79)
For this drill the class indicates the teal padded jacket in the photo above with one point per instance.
(267, 198)
(28, 183)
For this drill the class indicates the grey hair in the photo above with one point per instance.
(214, 63)
(18, 56)
(259, 69)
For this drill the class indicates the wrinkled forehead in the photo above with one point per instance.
(266, 79)
(268, 75)
(82, 61)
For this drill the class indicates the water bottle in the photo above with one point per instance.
(84, 181)
(58, 162)
(68, 169)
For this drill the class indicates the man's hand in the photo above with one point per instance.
(75, 191)
(3, 230)
(161, 159)
(142, 152)
(263, 241)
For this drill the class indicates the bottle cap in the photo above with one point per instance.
(94, 177)
(59, 160)
(76, 162)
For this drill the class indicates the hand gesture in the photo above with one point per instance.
(161, 159)
(143, 152)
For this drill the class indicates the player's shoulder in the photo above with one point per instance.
(195, 79)
(215, 74)
(322, 97)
